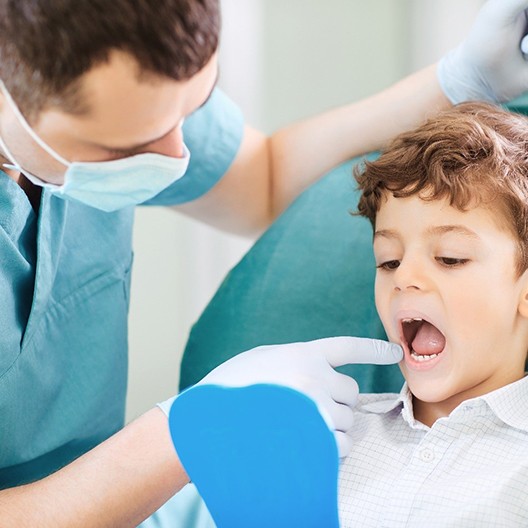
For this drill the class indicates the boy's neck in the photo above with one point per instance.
(428, 412)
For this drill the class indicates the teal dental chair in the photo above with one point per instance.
(311, 275)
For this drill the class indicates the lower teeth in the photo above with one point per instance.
(419, 357)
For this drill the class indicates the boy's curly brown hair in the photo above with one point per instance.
(473, 155)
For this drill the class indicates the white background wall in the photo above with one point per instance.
(280, 61)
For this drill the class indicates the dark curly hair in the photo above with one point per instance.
(47, 45)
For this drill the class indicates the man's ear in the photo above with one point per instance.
(523, 299)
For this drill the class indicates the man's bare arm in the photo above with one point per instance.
(119, 483)
(270, 172)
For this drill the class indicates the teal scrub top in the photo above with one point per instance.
(64, 296)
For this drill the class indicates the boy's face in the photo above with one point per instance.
(455, 272)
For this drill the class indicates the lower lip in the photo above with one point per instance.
(421, 365)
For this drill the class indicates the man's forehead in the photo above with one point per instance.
(126, 109)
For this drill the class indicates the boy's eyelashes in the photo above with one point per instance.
(388, 265)
(451, 262)
(447, 262)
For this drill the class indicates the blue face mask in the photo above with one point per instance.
(105, 185)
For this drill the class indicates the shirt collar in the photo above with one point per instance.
(509, 404)
(403, 402)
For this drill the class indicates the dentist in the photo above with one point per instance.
(106, 105)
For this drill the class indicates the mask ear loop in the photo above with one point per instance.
(16, 166)
(29, 130)
(9, 156)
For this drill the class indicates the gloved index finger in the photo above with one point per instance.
(507, 9)
(344, 350)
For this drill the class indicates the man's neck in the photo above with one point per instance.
(12, 173)
(33, 192)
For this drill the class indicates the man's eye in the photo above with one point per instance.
(389, 265)
(120, 154)
(451, 262)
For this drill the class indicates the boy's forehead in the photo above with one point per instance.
(401, 211)
(416, 216)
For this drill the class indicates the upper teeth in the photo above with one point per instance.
(410, 320)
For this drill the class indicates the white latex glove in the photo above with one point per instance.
(308, 368)
(489, 64)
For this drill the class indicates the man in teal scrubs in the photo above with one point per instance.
(94, 93)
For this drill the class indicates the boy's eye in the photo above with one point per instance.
(389, 265)
(451, 262)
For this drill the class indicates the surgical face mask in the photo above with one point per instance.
(105, 185)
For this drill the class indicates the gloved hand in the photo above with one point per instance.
(489, 64)
(308, 368)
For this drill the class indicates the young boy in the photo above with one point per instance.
(449, 206)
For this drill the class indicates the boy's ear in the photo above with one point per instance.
(523, 300)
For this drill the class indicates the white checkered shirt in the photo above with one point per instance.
(469, 469)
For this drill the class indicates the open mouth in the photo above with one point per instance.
(422, 339)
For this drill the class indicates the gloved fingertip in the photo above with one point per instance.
(524, 46)
(397, 352)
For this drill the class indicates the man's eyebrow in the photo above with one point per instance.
(140, 146)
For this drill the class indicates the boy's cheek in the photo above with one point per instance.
(382, 307)
(392, 333)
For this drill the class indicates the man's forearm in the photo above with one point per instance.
(302, 152)
(119, 483)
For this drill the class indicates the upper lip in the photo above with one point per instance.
(402, 315)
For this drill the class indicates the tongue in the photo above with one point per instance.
(428, 340)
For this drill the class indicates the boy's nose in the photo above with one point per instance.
(409, 276)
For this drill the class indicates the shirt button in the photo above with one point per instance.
(426, 454)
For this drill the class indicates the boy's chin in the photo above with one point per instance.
(428, 391)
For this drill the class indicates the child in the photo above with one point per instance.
(449, 207)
